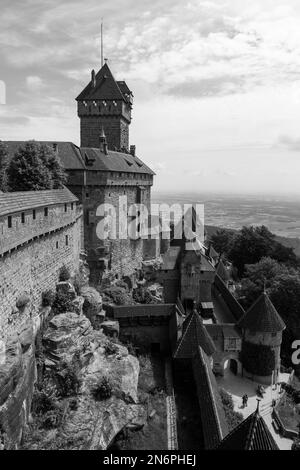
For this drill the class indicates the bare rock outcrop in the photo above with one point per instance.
(94, 424)
(17, 378)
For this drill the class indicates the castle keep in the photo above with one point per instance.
(102, 170)
(106, 104)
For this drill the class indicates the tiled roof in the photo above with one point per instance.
(233, 305)
(222, 329)
(250, 434)
(262, 317)
(114, 161)
(210, 403)
(212, 253)
(74, 158)
(194, 335)
(22, 201)
(222, 271)
(106, 87)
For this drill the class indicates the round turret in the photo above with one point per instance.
(262, 329)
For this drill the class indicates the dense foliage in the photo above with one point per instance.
(3, 167)
(64, 273)
(283, 286)
(102, 390)
(222, 240)
(250, 245)
(233, 418)
(63, 302)
(35, 167)
(258, 359)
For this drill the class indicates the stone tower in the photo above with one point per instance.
(262, 329)
(105, 104)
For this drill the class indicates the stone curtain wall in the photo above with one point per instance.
(126, 255)
(22, 232)
(34, 267)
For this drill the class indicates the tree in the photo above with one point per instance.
(3, 167)
(53, 163)
(27, 171)
(249, 246)
(222, 240)
(257, 276)
(254, 243)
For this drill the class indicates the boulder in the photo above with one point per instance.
(92, 307)
(67, 335)
(97, 423)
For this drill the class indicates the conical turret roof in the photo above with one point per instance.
(250, 434)
(262, 317)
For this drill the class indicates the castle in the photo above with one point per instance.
(201, 324)
(104, 169)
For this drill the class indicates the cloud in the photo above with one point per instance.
(215, 82)
(290, 143)
(34, 83)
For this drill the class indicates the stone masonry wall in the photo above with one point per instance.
(34, 268)
(115, 128)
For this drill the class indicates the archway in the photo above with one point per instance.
(233, 366)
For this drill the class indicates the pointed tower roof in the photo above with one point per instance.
(105, 87)
(194, 335)
(222, 271)
(212, 253)
(262, 317)
(250, 434)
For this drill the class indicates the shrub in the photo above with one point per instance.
(68, 381)
(44, 398)
(64, 273)
(22, 301)
(292, 392)
(52, 419)
(103, 390)
(233, 418)
(48, 298)
(63, 302)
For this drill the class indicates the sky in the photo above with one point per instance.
(216, 84)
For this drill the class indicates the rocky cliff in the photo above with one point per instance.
(70, 341)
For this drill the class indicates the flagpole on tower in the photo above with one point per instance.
(102, 62)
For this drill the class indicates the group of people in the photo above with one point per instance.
(260, 391)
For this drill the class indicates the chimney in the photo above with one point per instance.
(132, 150)
(103, 142)
(93, 78)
